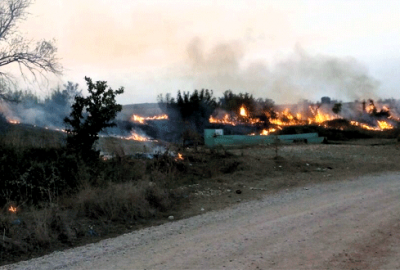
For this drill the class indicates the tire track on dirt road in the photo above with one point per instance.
(323, 226)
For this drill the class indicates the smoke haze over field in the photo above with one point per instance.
(299, 76)
(283, 50)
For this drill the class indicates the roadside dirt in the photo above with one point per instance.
(350, 224)
(261, 172)
(252, 173)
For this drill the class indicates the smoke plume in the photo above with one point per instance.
(299, 76)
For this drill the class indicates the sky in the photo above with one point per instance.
(283, 50)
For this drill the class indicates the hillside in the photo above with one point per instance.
(142, 109)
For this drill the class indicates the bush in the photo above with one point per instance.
(36, 230)
(125, 202)
(193, 109)
(34, 175)
(89, 116)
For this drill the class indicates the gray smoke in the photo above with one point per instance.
(49, 112)
(299, 76)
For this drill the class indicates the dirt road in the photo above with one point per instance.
(352, 224)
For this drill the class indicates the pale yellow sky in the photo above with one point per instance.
(153, 47)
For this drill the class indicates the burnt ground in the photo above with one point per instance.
(251, 172)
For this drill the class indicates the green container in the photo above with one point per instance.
(213, 138)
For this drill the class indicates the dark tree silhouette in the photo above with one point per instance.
(196, 106)
(233, 102)
(189, 112)
(337, 108)
(36, 59)
(90, 115)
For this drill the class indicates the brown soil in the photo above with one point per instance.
(261, 172)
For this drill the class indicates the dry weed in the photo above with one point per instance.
(122, 202)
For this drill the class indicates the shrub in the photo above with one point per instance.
(122, 202)
(34, 175)
(89, 116)
(193, 109)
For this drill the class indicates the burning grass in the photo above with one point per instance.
(12, 209)
(313, 116)
(226, 120)
(142, 120)
(179, 157)
(15, 122)
(136, 137)
(51, 200)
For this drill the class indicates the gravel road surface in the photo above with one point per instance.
(349, 224)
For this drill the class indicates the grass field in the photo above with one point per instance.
(62, 202)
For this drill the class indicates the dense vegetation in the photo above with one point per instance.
(189, 113)
(232, 102)
(57, 192)
(89, 116)
(49, 111)
(39, 165)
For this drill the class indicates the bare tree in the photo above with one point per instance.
(35, 58)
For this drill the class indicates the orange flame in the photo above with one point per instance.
(243, 111)
(137, 118)
(142, 120)
(370, 108)
(266, 132)
(14, 122)
(226, 120)
(179, 157)
(286, 118)
(384, 125)
(12, 209)
(136, 137)
(319, 117)
(62, 130)
(364, 126)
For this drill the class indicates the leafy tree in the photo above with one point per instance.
(63, 97)
(27, 98)
(326, 100)
(233, 102)
(90, 115)
(262, 109)
(266, 107)
(195, 106)
(58, 104)
(337, 108)
(189, 112)
(15, 50)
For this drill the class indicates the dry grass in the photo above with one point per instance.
(125, 202)
(26, 231)
(120, 147)
(54, 226)
(111, 195)
(29, 136)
